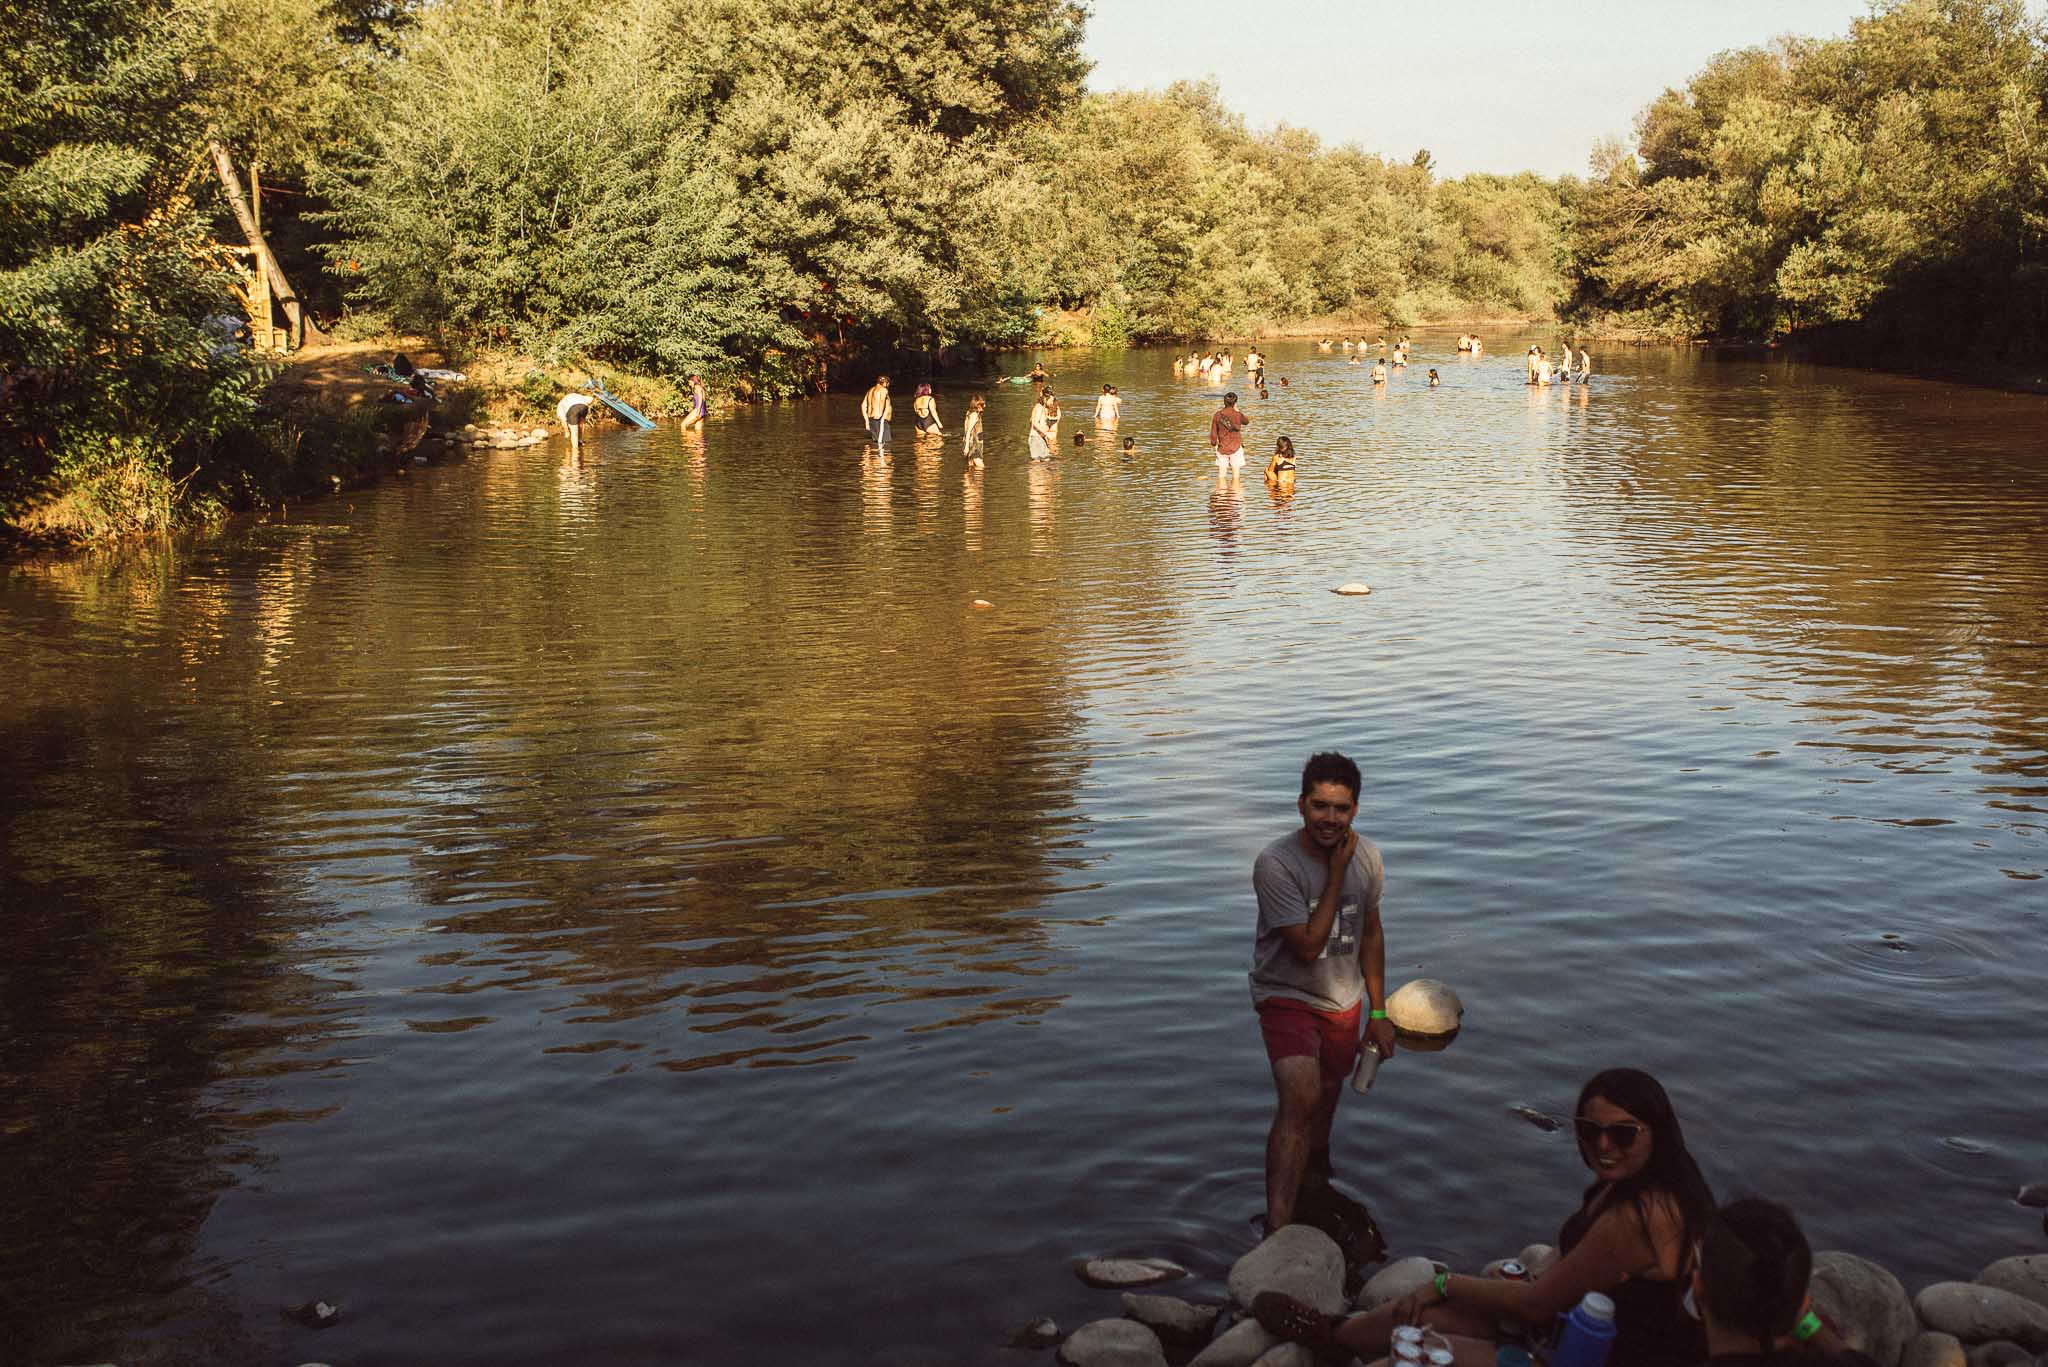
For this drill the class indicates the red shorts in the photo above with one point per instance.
(1293, 1029)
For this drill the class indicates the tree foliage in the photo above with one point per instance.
(1885, 180)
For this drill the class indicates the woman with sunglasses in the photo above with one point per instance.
(1631, 1239)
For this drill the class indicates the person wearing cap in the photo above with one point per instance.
(1226, 434)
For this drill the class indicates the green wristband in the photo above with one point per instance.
(1377, 1015)
(1443, 1285)
(1807, 1327)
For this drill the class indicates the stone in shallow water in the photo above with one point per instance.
(315, 1314)
(1170, 1317)
(1353, 589)
(1866, 1303)
(1425, 1007)
(1979, 1314)
(1303, 1262)
(1043, 1332)
(1112, 1343)
(1118, 1274)
(2026, 1276)
(2033, 1194)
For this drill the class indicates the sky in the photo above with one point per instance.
(1485, 85)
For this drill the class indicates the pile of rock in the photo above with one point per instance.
(1998, 1320)
(497, 437)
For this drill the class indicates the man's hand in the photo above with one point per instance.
(1379, 1035)
(1341, 852)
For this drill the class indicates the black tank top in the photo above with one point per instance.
(1651, 1328)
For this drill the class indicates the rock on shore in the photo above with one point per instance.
(1118, 1274)
(1305, 1263)
(1241, 1345)
(2025, 1276)
(1402, 1277)
(1979, 1314)
(1867, 1305)
(1112, 1343)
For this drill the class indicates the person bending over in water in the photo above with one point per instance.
(1434, 381)
(1109, 407)
(924, 411)
(1280, 468)
(970, 429)
(1749, 1286)
(1631, 1239)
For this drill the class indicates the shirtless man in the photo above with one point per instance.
(875, 411)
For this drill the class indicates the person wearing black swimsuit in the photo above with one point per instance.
(1631, 1239)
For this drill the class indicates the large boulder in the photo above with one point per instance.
(1241, 1345)
(1425, 1007)
(1931, 1349)
(1979, 1314)
(1399, 1278)
(1866, 1303)
(1305, 1263)
(1170, 1317)
(1112, 1343)
(2025, 1276)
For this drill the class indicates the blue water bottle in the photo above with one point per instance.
(1588, 1334)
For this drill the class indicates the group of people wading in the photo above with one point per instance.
(1688, 1282)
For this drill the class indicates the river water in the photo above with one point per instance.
(637, 908)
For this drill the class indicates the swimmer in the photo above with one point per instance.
(1280, 468)
(1347, 344)
(1433, 380)
(1585, 366)
(1324, 345)
(970, 430)
(924, 412)
(1379, 372)
(1262, 392)
(1283, 382)
(1130, 446)
(1080, 439)
(1109, 407)
(1179, 368)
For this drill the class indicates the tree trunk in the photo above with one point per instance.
(224, 165)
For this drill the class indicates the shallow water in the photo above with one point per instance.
(637, 909)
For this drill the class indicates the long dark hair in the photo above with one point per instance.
(1756, 1263)
(1671, 1170)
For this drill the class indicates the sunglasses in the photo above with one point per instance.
(1622, 1135)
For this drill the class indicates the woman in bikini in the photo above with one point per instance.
(1280, 469)
(1631, 1239)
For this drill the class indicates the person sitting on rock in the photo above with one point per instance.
(1632, 1239)
(1749, 1285)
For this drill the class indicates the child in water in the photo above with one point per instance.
(1433, 381)
(1130, 446)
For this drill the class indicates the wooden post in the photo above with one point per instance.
(224, 166)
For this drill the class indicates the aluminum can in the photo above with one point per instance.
(1513, 1271)
(1408, 1355)
(1408, 1333)
(1368, 1068)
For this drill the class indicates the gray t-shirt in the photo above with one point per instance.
(1289, 880)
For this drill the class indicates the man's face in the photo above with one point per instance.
(1326, 813)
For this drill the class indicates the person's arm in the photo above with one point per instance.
(1614, 1248)
(1372, 965)
(1308, 939)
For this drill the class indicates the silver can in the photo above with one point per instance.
(1513, 1271)
(1368, 1068)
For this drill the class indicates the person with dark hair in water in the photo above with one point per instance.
(1749, 1286)
(1318, 967)
(1633, 1239)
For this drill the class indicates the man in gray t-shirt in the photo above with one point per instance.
(1317, 958)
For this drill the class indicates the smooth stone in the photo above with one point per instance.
(1286, 1355)
(1120, 1274)
(1425, 1007)
(2025, 1276)
(2033, 1194)
(1305, 1263)
(1979, 1314)
(1999, 1353)
(1866, 1303)
(1353, 590)
(1399, 1278)
(1539, 1257)
(1931, 1349)
(982, 603)
(1241, 1345)
(1170, 1317)
(1112, 1343)
(1043, 1332)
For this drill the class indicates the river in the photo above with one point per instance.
(636, 907)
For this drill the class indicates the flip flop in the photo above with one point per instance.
(1296, 1321)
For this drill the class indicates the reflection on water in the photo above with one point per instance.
(514, 892)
